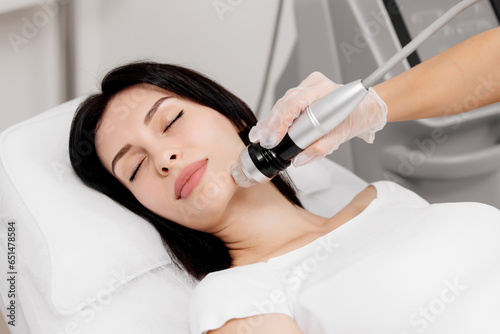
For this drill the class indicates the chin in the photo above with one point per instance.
(203, 213)
(218, 189)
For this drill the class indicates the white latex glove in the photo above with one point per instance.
(369, 117)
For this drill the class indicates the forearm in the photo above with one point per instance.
(459, 79)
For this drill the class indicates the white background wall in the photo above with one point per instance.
(228, 40)
(30, 60)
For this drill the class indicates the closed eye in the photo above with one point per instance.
(132, 177)
(138, 167)
(175, 119)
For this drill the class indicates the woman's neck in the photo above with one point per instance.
(260, 222)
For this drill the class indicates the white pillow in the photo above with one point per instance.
(73, 243)
(82, 260)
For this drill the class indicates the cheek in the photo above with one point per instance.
(207, 204)
(153, 198)
(219, 184)
(215, 129)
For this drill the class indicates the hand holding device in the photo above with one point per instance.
(369, 117)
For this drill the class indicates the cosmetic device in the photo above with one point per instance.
(259, 165)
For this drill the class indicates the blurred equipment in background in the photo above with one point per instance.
(454, 158)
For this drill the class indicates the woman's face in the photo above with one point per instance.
(174, 155)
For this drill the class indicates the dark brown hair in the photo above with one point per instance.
(197, 252)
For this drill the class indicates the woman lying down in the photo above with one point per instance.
(389, 262)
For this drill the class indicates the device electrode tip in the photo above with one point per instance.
(246, 170)
(240, 177)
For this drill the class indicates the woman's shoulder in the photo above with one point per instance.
(388, 192)
(363, 198)
(392, 191)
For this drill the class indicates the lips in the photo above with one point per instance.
(189, 178)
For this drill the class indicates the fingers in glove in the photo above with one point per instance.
(289, 107)
(317, 150)
(286, 110)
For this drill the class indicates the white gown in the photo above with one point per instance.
(402, 266)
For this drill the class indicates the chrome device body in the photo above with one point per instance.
(318, 119)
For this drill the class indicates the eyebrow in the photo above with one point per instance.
(149, 116)
(119, 155)
(147, 119)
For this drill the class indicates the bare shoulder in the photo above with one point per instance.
(260, 324)
(354, 208)
(363, 199)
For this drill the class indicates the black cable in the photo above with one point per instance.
(401, 29)
(496, 8)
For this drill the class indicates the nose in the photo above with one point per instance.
(166, 161)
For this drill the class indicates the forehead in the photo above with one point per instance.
(128, 105)
(133, 100)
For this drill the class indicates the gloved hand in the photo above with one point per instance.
(369, 117)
